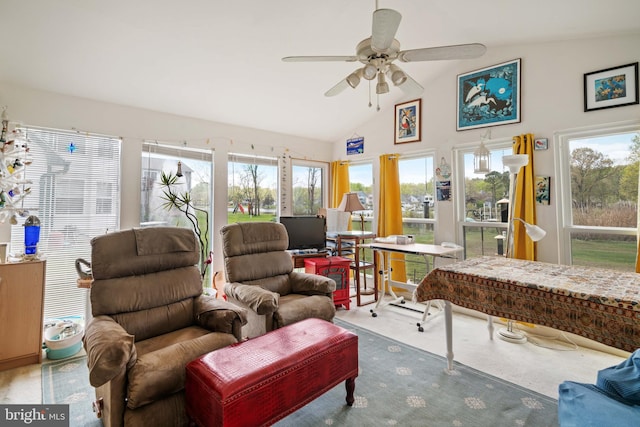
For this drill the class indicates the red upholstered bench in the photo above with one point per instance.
(264, 379)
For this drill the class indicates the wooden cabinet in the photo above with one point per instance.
(21, 312)
(336, 268)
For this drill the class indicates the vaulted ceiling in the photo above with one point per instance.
(221, 60)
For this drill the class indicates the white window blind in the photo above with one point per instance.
(75, 192)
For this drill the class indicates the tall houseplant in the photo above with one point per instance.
(199, 218)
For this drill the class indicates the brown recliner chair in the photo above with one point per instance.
(150, 320)
(261, 279)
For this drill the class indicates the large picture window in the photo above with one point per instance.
(196, 168)
(418, 207)
(599, 196)
(253, 188)
(483, 203)
(361, 182)
(75, 192)
(308, 185)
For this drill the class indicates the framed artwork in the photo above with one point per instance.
(355, 145)
(408, 122)
(543, 190)
(540, 144)
(490, 96)
(443, 191)
(613, 87)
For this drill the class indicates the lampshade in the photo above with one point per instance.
(382, 86)
(534, 232)
(396, 75)
(369, 71)
(481, 159)
(350, 203)
(515, 161)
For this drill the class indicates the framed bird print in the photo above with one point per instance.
(407, 122)
(489, 96)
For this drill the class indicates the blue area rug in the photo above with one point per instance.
(66, 381)
(401, 385)
(398, 385)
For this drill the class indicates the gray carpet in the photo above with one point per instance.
(397, 385)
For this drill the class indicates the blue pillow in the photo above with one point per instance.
(623, 380)
(585, 405)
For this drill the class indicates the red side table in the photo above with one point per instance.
(336, 268)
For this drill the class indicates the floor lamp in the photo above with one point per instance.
(514, 163)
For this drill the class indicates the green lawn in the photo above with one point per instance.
(240, 217)
(613, 254)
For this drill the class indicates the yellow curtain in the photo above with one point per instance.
(390, 212)
(524, 203)
(340, 184)
(339, 181)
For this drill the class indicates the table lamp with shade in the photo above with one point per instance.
(514, 163)
(351, 203)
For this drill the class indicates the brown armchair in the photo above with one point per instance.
(261, 279)
(150, 320)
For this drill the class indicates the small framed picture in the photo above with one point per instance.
(540, 144)
(407, 122)
(613, 87)
(543, 190)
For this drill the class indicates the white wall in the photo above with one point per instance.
(552, 100)
(38, 108)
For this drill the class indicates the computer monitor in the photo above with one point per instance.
(305, 232)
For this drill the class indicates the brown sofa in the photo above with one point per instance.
(261, 279)
(150, 320)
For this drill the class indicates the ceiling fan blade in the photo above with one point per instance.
(320, 59)
(411, 88)
(461, 51)
(385, 26)
(337, 88)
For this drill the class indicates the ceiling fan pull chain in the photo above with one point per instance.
(370, 104)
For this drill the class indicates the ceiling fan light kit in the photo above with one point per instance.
(382, 86)
(396, 75)
(378, 52)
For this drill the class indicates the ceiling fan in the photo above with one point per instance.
(379, 51)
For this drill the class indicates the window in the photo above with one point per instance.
(308, 184)
(417, 198)
(599, 184)
(197, 169)
(253, 188)
(484, 202)
(104, 198)
(75, 192)
(361, 182)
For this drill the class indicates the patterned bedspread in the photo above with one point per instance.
(602, 305)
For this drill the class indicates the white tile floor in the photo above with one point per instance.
(534, 367)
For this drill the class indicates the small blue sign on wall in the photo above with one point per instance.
(355, 145)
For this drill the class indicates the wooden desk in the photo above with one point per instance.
(599, 304)
(358, 265)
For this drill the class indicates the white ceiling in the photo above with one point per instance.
(221, 60)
